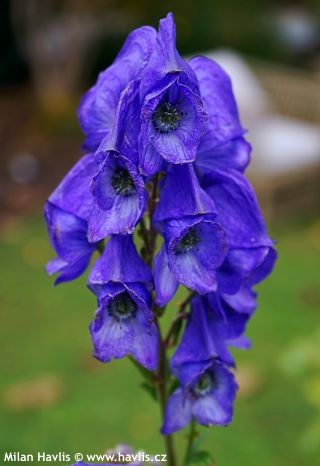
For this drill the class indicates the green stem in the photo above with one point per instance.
(176, 324)
(191, 437)
(163, 395)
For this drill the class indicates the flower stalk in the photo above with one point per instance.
(165, 157)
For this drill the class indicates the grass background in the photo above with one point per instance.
(89, 406)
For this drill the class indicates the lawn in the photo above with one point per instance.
(56, 397)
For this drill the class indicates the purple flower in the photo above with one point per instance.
(194, 249)
(223, 145)
(117, 187)
(173, 118)
(68, 236)
(244, 302)
(124, 325)
(208, 399)
(195, 245)
(120, 263)
(204, 339)
(120, 198)
(251, 254)
(98, 106)
(214, 323)
(66, 214)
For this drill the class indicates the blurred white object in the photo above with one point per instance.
(284, 144)
(280, 144)
(253, 101)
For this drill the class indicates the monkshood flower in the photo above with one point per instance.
(212, 325)
(66, 214)
(208, 399)
(173, 117)
(124, 324)
(195, 245)
(117, 187)
(98, 107)
(120, 198)
(223, 145)
(68, 236)
(251, 255)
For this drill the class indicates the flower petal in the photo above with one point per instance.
(238, 267)
(73, 193)
(116, 212)
(145, 346)
(165, 282)
(97, 108)
(216, 408)
(120, 262)
(203, 340)
(216, 92)
(181, 195)
(165, 59)
(114, 338)
(233, 154)
(68, 236)
(238, 209)
(178, 413)
(196, 268)
(263, 269)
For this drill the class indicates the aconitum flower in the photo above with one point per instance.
(208, 399)
(211, 326)
(173, 117)
(124, 325)
(68, 236)
(195, 245)
(117, 187)
(120, 198)
(66, 213)
(195, 248)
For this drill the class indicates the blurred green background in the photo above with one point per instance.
(53, 395)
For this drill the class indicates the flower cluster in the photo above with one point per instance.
(165, 155)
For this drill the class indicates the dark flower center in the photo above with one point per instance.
(122, 307)
(188, 241)
(204, 385)
(166, 117)
(122, 182)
